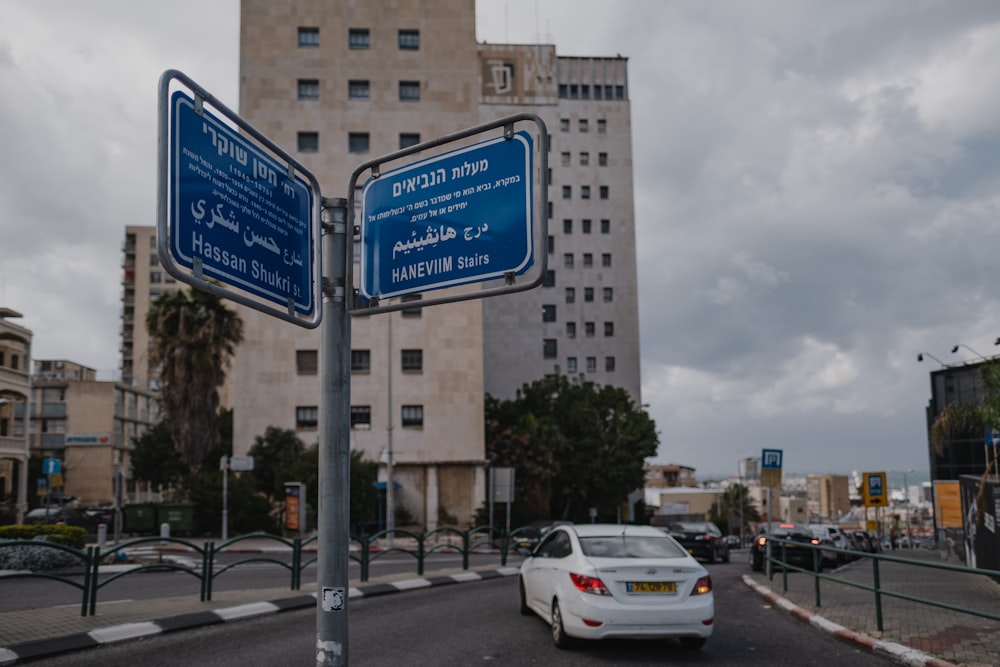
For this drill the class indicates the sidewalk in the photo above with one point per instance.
(913, 633)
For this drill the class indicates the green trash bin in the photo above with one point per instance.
(179, 516)
(140, 519)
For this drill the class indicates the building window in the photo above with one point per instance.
(552, 244)
(358, 89)
(609, 294)
(358, 38)
(602, 126)
(584, 159)
(361, 361)
(308, 142)
(591, 364)
(584, 192)
(567, 191)
(566, 159)
(306, 362)
(603, 192)
(602, 159)
(574, 91)
(585, 91)
(571, 330)
(585, 223)
(584, 125)
(605, 226)
(409, 91)
(564, 124)
(567, 226)
(361, 416)
(605, 259)
(570, 364)
(570, 295)
(589, 329)
(548, 313)
(155, 276)
(306, 418)
(568, 260)
(609, 329)
(588, 293)
(550, 279)
(412, 415)
(563, 91)
(308, 38)
(407, 139)
(588, 260)
(550, 348)
(409, 39)
(357, 142)
(411, 361)
(609, 364)
(308, 89)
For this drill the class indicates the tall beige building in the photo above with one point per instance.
(339, 83)
(143, 279)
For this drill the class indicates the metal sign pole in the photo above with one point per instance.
(334, 444)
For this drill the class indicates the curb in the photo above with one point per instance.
(903, 655)
(11, 655)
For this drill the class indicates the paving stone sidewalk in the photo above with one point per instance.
(951, 636)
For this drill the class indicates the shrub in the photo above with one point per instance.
(71, 536)
(35, 558)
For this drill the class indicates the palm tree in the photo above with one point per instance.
(194, 337)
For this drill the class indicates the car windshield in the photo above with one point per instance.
(627, 546)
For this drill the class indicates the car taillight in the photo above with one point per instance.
(761, 541)
(702, 586)
(814, 541)
(589, 584)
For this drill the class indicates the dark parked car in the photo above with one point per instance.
(865, 541)
(794, 534)
(702, 539)
(70, 516)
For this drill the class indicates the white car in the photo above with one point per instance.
(596, 581)
(836, 536)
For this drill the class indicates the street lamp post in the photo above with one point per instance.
(955, 349)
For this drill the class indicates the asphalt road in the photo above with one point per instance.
(479, 622)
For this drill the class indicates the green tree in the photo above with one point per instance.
(155, 459)
(194, 337)
(583, 442)
(275, 455)
(735, 504)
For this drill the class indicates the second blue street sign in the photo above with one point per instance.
(461, 217)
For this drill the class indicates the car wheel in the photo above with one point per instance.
(725, 555)
(525, 609)
(692, 643)
(559, 636)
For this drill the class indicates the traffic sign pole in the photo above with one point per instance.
(334, 445)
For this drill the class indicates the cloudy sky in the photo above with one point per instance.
(817, 194)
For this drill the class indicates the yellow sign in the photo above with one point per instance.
(770, 477)
(947, 504)
(873, 489)
(871, 526)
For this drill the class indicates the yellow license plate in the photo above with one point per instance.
(651, 586)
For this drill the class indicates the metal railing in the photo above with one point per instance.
(85, 572)
(876, 588)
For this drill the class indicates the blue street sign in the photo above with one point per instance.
(875, 486)
(770, 458)
(456, 218)
(51, 466)
(236, 214)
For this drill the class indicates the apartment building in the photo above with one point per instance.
(143, 279)
(89, 425)
(338, 83)
(15, 396)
